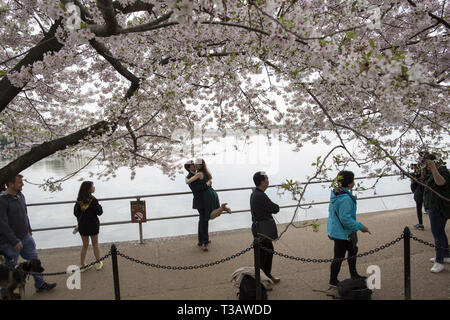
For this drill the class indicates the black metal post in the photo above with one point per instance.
(115, 272)
(257, 254)
(407, 261)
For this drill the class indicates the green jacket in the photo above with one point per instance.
(432, 200)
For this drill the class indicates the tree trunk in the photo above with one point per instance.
(48, 148)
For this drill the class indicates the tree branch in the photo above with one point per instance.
(107, 9)
(368, 139)
(432, 15)
(105, 53)
(135, 7)
(48, 44)
(48, 148)
(103, 31)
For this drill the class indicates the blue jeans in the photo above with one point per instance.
(438, 222)
(28, 252)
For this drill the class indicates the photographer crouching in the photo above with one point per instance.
(438, 207)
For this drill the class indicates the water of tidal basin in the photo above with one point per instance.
(230, 168)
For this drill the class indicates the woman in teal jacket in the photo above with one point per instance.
(342, 226)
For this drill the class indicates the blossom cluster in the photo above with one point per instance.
(376, 73)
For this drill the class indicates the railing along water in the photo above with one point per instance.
(138, 197)
(406, 236)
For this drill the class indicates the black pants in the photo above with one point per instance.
(266, 257)
(419, 211)
(203, 237)
(340, 248)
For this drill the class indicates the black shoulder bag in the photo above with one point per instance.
(350, 289)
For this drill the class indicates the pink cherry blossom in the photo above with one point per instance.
(142, 69)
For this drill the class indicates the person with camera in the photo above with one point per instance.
(417, 189)
(87, 209)
(436, 199)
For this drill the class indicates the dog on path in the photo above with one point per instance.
(12, 278)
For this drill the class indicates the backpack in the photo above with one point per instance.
(247, 289)
(350, 289)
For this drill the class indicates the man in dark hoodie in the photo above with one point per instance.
(15, 230)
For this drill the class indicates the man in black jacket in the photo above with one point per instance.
(197, 188)
(262, 208)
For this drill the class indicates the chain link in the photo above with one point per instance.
(206, 265)
(309, 260)
(427, 243)
(65, 272)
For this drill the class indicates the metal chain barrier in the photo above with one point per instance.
(65, 272)
(426, 243)
(210, 264)
(206, 265)
(309, 260)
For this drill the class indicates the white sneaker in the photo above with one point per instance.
(99, 266)
(437, 267)
(446, 260)
(83, 269)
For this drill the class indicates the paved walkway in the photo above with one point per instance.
(298, 279)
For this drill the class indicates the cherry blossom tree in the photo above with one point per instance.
(140, 65)
(119, 77)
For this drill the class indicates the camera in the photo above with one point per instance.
(414, 167)
(423, 157)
